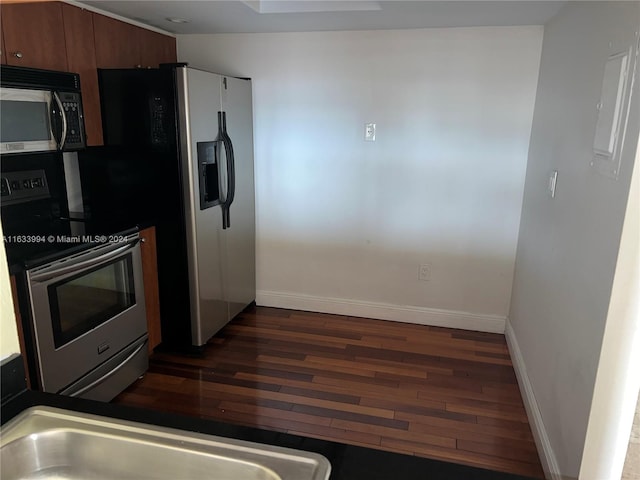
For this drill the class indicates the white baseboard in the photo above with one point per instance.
(383, 311)
(545, 451)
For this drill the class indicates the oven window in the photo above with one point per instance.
(81, 303)
(24, 121)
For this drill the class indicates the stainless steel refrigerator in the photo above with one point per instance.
(178, 154)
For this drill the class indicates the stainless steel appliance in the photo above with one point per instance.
(179, 153)
(81, 294)
(86, 308)
(41, 111)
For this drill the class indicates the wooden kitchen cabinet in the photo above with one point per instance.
(121, 45)
(33, 35)
(3, 52)
(81, 58)
(116, 43)
(156, 48)
(59, 36)
(151, 292)
(21, 341)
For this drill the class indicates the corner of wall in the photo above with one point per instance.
(543, 443)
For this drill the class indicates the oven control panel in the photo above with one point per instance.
(23, 186)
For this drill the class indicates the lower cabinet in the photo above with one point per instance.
(16, 309)
(150, 277)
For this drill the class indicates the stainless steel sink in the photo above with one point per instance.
(50, 443)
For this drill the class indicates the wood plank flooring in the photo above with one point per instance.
(433, 392)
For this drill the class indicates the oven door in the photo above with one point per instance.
(29, 120)
(86, 309)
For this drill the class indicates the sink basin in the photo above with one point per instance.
(50, 443)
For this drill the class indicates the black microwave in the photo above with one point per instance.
(40, 110)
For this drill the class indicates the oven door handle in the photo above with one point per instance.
(57, 272)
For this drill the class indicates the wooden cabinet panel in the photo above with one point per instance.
(150, 277)
(156, 48)
(121, 45)
(16, 309)
(3, 53)
(81, 58)
(33, 35)
(116, 43)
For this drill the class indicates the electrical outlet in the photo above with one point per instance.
(424, 272)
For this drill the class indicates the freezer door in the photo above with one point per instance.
(239, 264)
(200, 102)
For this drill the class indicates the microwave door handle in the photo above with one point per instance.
(55, 118)
(63, 137)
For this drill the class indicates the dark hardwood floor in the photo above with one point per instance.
(433, 392)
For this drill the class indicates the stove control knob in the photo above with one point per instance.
(4, 187)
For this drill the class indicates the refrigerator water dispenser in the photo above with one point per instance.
(208, 174)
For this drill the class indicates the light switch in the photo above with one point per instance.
(553, 180)
(370, 132)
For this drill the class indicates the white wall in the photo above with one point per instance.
(568, 245)
(342, 223)
(615, 394)
(8, 331)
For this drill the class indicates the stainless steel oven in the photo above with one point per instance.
(89, 320)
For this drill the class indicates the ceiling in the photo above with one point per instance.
(259, 16)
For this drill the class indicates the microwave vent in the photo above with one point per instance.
(22, 77)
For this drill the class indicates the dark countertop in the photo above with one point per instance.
(56, 238)
(347, 462)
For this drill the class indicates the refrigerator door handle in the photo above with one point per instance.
(223, 196)
(231, 173)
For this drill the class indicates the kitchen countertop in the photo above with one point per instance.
(58, 238)
(347, 462)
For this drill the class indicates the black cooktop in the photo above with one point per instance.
(37, 222)
(44, 240)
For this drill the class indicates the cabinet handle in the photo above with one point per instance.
(143, 240)
(17, 54)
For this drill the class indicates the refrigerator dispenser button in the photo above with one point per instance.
(370, 132)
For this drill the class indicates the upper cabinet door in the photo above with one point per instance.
(156, 48)
(122, 45)
(3, 53)
(116, 43)
(81, 57)
(33, 34)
